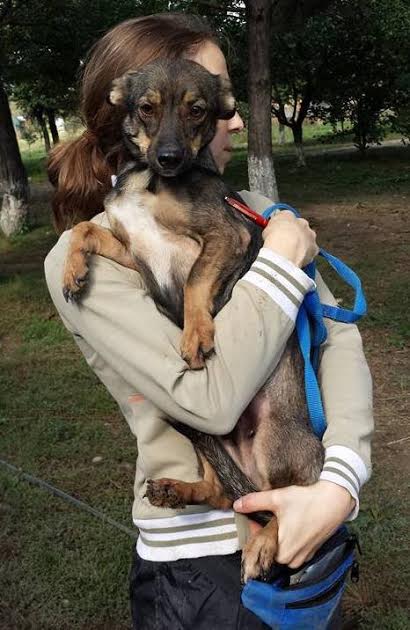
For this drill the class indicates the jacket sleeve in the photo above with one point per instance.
(346, 388)
(122, 325)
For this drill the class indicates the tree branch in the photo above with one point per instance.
(304, 106)
(295, 104)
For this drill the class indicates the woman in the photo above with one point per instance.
(187, 563)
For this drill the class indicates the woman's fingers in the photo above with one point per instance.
(291, 237)
(255, 501)
(306, 515)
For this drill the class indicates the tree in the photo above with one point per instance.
(343, 63)
(299, 61)
(260, 161)
(13, 177)
(239, 29)
(228, 19)
(28, 133)
(46, 43)
(368, 64)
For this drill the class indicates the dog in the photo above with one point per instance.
(169, 221)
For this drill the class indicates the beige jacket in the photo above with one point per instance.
(134, 349)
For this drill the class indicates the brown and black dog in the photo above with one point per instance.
(169, 221)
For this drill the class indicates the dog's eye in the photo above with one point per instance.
(146, 109)
(196, 111)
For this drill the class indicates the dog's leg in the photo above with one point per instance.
(172, 493)
(259, 553)
(216, 263)
(88, 238)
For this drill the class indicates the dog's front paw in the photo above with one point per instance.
(165, 493)
(75, 275)
(197, 340)
(258, 555)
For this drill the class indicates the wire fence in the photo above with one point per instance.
(44, 485)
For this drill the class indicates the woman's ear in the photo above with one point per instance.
(226, 100)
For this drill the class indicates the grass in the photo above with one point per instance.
(314, 134)
(62, 568)
(34, 159)
(343, 178)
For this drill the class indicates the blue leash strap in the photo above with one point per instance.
(310, 327)
(313, 396)
(360, 307)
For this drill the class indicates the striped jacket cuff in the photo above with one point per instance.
(187, 536)
(345, 468)
(283, 281)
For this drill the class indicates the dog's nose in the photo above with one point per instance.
(170, 158)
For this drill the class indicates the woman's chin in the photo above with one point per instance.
(223, 161)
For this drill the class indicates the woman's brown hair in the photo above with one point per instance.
(81, 170)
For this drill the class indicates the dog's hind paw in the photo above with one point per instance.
(258, 555)
(165, 493)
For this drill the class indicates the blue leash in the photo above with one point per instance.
(310, 327)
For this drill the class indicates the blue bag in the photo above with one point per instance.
(308, 598)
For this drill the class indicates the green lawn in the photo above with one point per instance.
(314, 134)
(34, 160)
(63, 569)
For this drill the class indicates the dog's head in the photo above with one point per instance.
(170, 112)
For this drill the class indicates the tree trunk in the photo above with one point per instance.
(42, 124)
(51, 116)
(260, 161)
(13, 177)
(282, 137)
(298, 140)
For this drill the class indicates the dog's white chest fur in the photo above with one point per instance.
(160, 249)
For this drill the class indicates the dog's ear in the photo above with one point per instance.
(226, 99)
(118, 91)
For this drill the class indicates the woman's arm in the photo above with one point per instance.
(122, 325)
(307, 516)
(346, 389)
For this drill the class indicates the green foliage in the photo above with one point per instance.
(28, 133)
(368, 59)
(44, 44)
(349, 63)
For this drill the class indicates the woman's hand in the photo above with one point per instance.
(291, 237)
(306, 515)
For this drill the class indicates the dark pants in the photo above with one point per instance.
(196, 594)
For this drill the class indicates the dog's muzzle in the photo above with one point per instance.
(170, 160)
